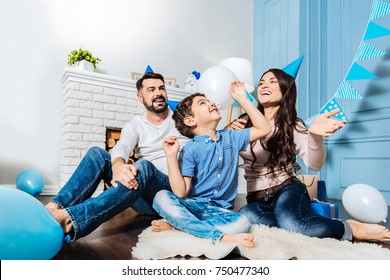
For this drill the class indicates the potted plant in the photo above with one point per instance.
(79, 57)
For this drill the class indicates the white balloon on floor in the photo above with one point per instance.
(215, 84)
(365, 203)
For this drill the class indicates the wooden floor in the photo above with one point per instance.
(115, 239)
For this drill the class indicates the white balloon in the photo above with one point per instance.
(215, 84)
(365, 203)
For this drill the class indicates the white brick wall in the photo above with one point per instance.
(91, 103)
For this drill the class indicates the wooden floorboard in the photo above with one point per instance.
(115, 239)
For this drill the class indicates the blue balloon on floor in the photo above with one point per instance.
(27, 229)
(30, 181)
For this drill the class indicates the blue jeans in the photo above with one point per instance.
(205, 220)
(86, 212)
(290, 209)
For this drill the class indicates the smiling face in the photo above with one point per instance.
(269, 92)
(205, 111)
(153, 95)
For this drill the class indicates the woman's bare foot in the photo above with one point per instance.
(244, 239)
(364, 231)
(160, 225)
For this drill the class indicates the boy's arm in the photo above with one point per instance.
(180, 185)
(261, 127)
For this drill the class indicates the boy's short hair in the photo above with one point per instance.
(182, 111)
(148, 75)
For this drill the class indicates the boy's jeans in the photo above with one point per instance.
(86, 212)
(205, 220)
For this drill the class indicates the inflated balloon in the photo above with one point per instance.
(365, 203)
(215, 84)
(30, 181)
(27, 229)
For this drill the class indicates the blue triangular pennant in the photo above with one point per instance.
(149, 70)
(332, 105)
(293, 68)
(172, 104)
(379, 9)
(347, 91)
(367, 51)
(250, 97)
(357, 72)
(374, 31)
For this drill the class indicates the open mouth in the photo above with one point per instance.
(265, 93)
(159, 100)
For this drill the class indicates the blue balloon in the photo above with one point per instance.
(27, 229)
(30, 181)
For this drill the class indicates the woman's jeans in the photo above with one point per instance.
(290, 209)
(86, 212)
(205, 220)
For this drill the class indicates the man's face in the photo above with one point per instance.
(153, 95)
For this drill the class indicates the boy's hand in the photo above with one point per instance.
(171, 146)
(237, 91)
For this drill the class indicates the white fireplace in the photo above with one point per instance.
(93, 103)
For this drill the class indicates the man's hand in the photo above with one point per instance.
(124, 174)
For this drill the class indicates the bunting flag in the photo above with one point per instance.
(374, 31)
(379, 9)
(332, 105)
(367, 51)
(357, 72)
(347, 91)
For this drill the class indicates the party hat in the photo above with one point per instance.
(293, 68)
(173, 104)
(149, 70)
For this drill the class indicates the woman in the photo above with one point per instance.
(275, 196)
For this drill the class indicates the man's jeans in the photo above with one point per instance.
(289, 209)
(86, 212)
(205, 220)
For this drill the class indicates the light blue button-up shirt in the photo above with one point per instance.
(213, 166)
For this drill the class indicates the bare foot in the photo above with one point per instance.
(364, 231)
(244, 239)
(52, 206)
(63, 219)
(160, 225)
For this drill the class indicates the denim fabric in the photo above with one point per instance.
(290, 209)
(205, 220)
(86, 212)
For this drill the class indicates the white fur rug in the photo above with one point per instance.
(270, 244)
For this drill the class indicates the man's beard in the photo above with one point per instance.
(153, 109)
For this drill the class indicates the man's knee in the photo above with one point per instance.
(96, 152)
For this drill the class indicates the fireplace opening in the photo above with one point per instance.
(112, 137)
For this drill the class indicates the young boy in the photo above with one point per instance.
(204, 178)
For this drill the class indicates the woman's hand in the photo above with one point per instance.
(324, 125)
(237, 124)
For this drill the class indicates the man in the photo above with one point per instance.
(133, 185)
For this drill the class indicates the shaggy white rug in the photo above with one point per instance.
(270, 244)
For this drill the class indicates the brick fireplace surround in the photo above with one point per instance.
(93, 103)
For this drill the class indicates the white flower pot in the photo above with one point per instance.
(84, 65)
